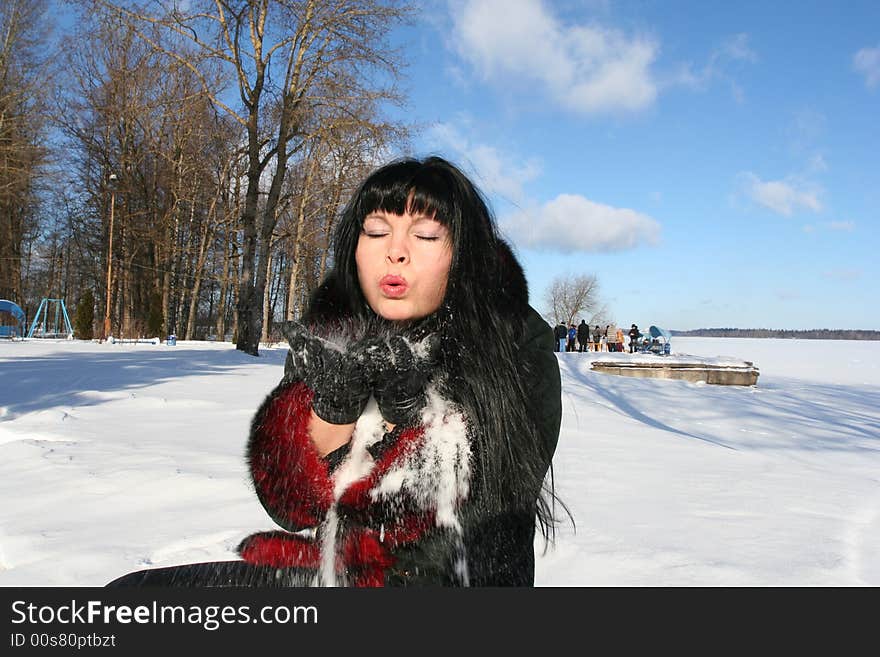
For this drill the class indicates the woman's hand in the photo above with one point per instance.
(338, 379)
(401, 371)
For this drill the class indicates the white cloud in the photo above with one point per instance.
(733, 49)
(448, 135)
(782, 196)
(737, 48)
(494, 172)
(571, 223)
(867, 62)
(584, 68)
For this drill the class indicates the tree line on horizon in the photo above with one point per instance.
(808, 334)
(183, 164)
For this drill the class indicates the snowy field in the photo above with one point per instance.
(127, 456)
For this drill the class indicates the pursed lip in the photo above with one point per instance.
(393, 286)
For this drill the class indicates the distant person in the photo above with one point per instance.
(633, 338)
(583, 336)
(596, 338)
(619, 339)
(561, 334)
(572, 337)
(604, 338)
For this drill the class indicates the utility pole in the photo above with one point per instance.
(112, 179)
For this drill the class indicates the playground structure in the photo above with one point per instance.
(19, 325)
(51, 321)
(58, 327)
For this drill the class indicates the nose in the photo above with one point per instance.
(398, 253)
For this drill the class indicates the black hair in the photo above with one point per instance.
(481, 322)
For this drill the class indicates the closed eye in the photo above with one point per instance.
(428, 238)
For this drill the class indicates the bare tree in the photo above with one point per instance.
(131, 118)
(23, 84)
(568, 297)
(284, 55)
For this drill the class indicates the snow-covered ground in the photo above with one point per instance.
(125, 456)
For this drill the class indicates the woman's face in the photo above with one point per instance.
(403, 264)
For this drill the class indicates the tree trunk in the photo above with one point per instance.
(264, 337)
(206, 237)
(333, 209)
(224, 288)
(250, 292)
(297, 243)
(234, 291)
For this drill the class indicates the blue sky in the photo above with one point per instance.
(715, 164)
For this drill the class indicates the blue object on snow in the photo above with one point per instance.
(657, 332)
(660, 341)
(18, 314)
(60, 327)
(171, 340)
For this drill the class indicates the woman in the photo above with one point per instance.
(409, 439)
(619, 340)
